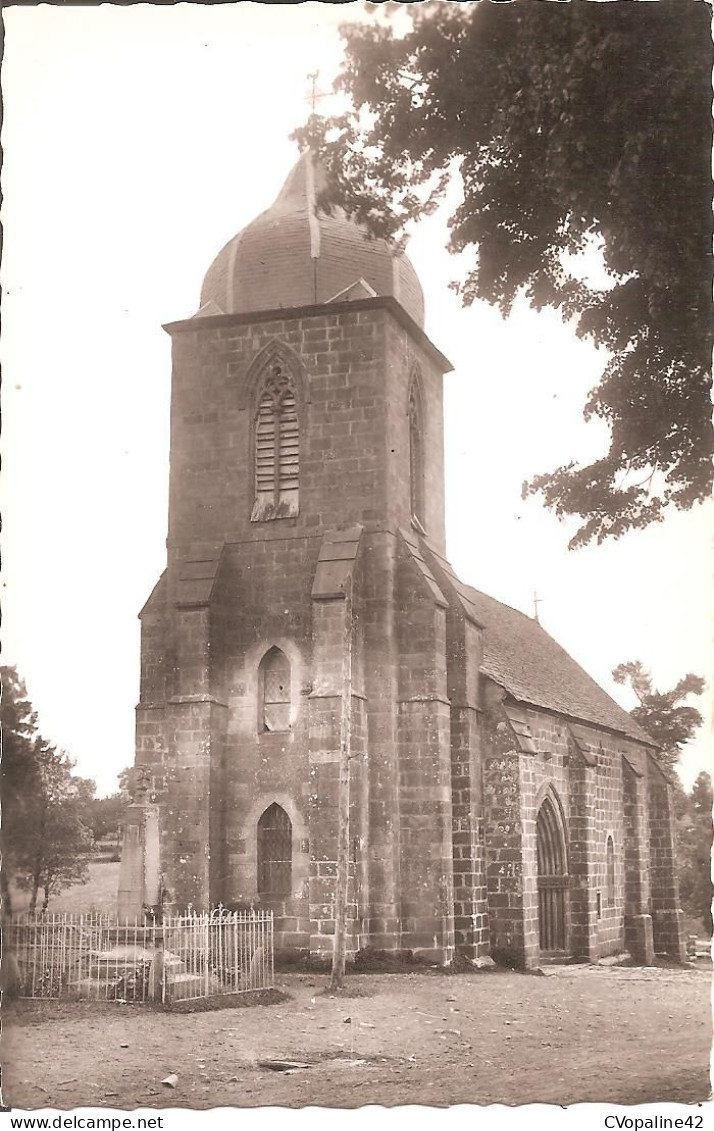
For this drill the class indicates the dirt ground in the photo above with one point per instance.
(578, 1034)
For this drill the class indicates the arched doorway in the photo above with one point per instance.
(552, 880)
(275, 853)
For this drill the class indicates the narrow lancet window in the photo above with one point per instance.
(275, 691)
(277, 447)
(610, 877)
(416, 456)
(275, 852)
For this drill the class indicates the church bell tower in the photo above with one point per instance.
(306, 463)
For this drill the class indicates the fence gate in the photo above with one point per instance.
(553, 882)
(184, 957)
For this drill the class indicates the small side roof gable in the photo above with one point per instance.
(209, 310)
(521, 728)
(631, 764)
(156, 598)
(336, 562)
(359, 289)
(198, 573)
(414, 550)
(463, 593)
(584, 744)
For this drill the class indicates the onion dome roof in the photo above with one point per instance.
(297, 254)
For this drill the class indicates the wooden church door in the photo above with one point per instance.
(552, 881)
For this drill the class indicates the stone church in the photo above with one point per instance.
(500, 802)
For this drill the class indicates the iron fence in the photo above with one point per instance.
(189, 956)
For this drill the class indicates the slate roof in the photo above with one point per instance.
(526, 661)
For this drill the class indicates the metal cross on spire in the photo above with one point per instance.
(315, 95)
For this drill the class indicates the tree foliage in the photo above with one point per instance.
(19, 775)
(694, 844)
(663, 714)
(58, 841)
(46, 840)
(672, 723)
(104, 815)
(569, 123)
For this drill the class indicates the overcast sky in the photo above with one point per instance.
(137, 141)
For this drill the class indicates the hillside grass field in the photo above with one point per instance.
(98, 894)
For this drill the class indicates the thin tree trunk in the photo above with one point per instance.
(46, 900)
(343, 803)
(36, 881)
(39, 861)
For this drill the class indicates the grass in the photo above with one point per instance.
(98, 894)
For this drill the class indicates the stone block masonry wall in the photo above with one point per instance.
(445, 787)
(403, 358)
(195, 722)
(638, 922)
(216, 613)
(187, 815)
(262, 601)
(376, 609)
(582, 829)
(341, 457)
(352, 374)
(609, 799)
(586, 778)
(592, 801)
(323, 804)
(151, 736)
(470, 894)
(423, 751)
(464, 651)
(503, 837)
(667, 917)
(151, 744)
(543, 774)
(326, 705)
(153, 677)
(151, 747)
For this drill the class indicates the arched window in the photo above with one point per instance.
(416, 455)
(274, 691)
(610, 873)
(275, 852)
(277, 447)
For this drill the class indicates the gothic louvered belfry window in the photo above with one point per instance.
(275, 691)
(275, 852)
(277, 447)
(416, 456)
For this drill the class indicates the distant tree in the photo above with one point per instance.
(125, 779)
(19, 776)
(671, 723)
(104, 815)
(663, 714)
(45, 837)
(571, 125)
(59, 842)
(694, 840)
